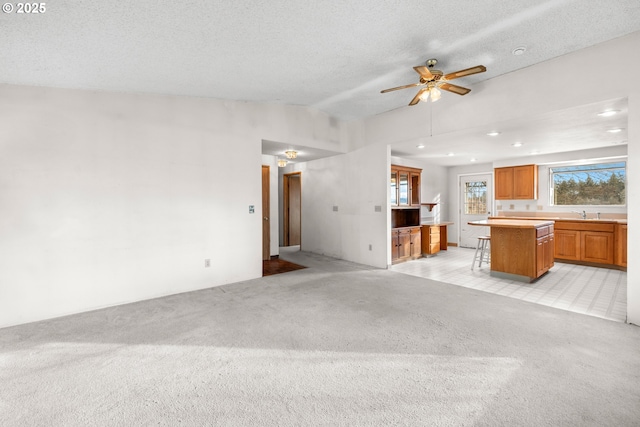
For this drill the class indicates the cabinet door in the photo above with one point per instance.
(394, 245)
(567, 244)
(394, 188)
(416, 243)
(404, 244)
(504, 183)
(540, 255)
(550, 251)
(403, 188)
(525, 182)
(621, 245)
(596, 246)
(415, 189)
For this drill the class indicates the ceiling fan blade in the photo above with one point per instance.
(454, 88)
(424, 72)
(401, 87)
(473, 70)
(416, 98)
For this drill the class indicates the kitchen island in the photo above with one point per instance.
(521, 250)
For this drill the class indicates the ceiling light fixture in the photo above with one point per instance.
(517, 144)
(450, 154)
(520, 50)
(282, 163)
(420, 146)
(435, 94)
(615, 130)
(291, 154)
(608, 113)
(493, 133)
(472, 160)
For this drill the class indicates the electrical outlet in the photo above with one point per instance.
(207, 263)
(370, 247)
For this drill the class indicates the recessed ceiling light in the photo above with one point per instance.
(519, 50)
(517, 144)
(420, 146)
(608, 113)
(493, 133)
(450, 154)
(534, 152)
(615, 130)
(472, 160)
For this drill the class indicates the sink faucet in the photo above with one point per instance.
(583, 214)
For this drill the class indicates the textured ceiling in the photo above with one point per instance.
(334, 56)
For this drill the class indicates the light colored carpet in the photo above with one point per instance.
(335, 344)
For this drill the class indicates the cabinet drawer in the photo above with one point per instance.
(542, 231)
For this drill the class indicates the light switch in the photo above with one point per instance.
(252, 209)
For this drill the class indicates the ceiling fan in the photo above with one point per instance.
(434, 80)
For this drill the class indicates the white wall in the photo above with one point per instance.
(517, 95)
(109, 198)
(355, 183)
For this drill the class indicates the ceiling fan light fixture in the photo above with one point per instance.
(435, 94)
(291, 154)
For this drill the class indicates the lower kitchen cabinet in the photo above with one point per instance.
(405, 244)
(585, 241)
(544, 250)
(431, 242)
(621, 245)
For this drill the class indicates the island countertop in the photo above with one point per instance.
(512, 223)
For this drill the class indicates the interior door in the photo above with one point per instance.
(266, 227)
(475, 204)
(292, 209)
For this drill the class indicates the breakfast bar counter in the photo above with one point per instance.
(520, 249)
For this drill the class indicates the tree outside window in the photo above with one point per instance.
(595, 184)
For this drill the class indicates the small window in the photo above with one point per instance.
(475, 198)
(594, 184)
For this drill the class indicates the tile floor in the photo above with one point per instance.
(599, 292)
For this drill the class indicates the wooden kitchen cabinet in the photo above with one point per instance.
(405, 244)
(431, 243)
(405, 186)
(516, 182)
(621, 245)
(544, 250)
(585, 241)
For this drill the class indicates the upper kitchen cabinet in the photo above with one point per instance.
(405, 186)
(516, 182)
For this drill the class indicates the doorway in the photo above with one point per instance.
(476, 199)
(292, 206)
(266, 227)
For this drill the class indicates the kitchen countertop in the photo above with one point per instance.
(540, 218)
(512, 223)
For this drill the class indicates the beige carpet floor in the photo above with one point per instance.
(335, 344)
